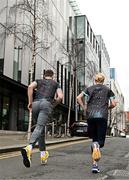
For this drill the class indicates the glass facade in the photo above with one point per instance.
(4, 112)
(13, 105)
(80, 27)
(22, 120)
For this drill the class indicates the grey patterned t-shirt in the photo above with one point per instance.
(98, 97)
(46, 88)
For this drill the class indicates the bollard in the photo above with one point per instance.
(52, 129)
(46, 131)
(65, 133)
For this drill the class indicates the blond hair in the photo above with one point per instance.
(99, 78)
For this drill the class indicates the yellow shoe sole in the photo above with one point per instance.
(96, 155)
(26, 161)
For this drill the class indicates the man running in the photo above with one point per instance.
(46, 90)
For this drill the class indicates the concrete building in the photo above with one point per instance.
(117, 118)
(104, 59)
(88, 59)
(127, 122)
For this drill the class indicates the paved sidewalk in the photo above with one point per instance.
(14, 140)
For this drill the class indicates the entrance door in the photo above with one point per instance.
(4, 113)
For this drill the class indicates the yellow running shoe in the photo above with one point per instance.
(44, 158)
(96, 155)
(26, 154)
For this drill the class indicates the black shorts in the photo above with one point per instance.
(97, 128)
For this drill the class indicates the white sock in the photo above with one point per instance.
(42, 153)
(30, 146)
(95, 144)
(95, 163)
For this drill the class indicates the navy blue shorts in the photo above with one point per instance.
(97, 128)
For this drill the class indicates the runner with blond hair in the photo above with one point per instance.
(96, 108)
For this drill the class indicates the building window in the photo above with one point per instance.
(80, 27)
(23, 117)
(93, 41)
(87, 29)
(96, 47)
(1, 65)
(70, 23)
(67, 39)
(4, 116)
(91, 35)
(17, 64)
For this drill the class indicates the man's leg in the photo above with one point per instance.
(42, 147)
(46, 109)
(95, 152)
(43, 108)
(101, 127)
(39, 131)
(27, 151)
(101, 131)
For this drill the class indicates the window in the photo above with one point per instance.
(93, 41)
(1, 65)
(23, 117)
(90, 35)
(4, 119)
(67, 39)
(80, 27)
(96, 47)
(17, 64)
(87, 29)
(70, 23)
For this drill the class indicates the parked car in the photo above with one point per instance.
(79, 128)
(122, 134)
(127, 136)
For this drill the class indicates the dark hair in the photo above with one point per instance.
(48, 72)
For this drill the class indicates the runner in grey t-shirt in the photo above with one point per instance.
(41, 106)
(98, 97)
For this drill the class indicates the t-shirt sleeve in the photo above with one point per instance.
(86, 94)
(58, 86)
(38, 81)
(111, 94)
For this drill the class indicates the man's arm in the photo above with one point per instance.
(31, 88)
(112, 100)
(59, 97)
(80, 101)
(112, 103)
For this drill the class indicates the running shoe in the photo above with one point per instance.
(26, 154)
(95, 169)
(96, 154)
(44, 158)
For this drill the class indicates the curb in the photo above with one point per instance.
(48, 143)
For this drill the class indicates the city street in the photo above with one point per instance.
(71, 161)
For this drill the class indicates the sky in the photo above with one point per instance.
(109, 18)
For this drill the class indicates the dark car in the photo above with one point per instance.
(79, 128)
